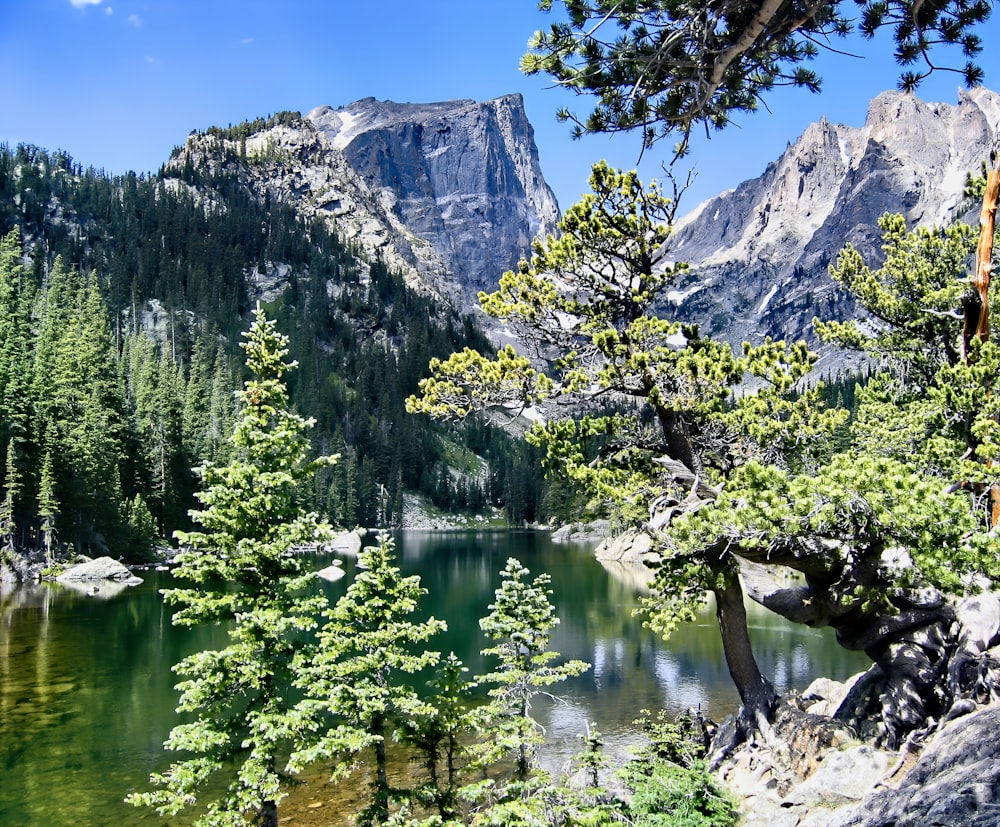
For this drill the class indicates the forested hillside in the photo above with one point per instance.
(121, 303)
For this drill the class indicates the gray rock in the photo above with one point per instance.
(769, 240)
(955, 783)
(347, 542)
(332, 573)
(461, 175)
(103, 578)
(624, 557)
(582, 532)
(631, 547)
(103, 568)
(979, 620)
(842, 776)
(770, 811)
(450, 194)
(824, 696)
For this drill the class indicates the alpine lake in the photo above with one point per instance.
(87, 698)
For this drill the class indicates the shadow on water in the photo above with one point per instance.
(87, 699)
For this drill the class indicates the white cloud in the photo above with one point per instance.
(82, 4)
(135, 20)
(246, 41)
(150, 59)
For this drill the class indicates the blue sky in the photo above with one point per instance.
(118, 83)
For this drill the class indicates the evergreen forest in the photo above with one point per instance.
(122, 299)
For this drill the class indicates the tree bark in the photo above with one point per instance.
(977, 321)
(925, 659)
(976, 305)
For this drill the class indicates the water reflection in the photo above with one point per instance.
(86, 688)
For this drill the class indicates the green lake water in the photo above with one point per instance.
(86, 697)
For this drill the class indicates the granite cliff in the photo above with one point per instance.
(449, 193)
(759, 253)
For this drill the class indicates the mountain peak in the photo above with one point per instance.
(447, 192)
(771, 239)
(461, 175)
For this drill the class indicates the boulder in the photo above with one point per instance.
(347, 542)
(582, 532)
(332, 573)
(103, 568)
(103, 577)
(624, 557)
(955, 783)
(843, 776)
(632, 547)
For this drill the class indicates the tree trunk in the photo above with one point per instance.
(268, 816)
(931, 657)
(977, 308)
(381, 774)
(756, 692)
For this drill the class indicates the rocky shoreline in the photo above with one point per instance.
(952, 779)
(812, 770)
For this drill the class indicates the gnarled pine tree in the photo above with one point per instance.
(661, 67)
(635, 409)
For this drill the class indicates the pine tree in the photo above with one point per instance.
(244, 572)
(520, 623)
(661, 68)
(441, 734)
(15, 342)
(356, 682)
(197, 403)
(637, 409)
(12, 491)
(79, 411)
(143, 533)
(48, 507)
(220, 411)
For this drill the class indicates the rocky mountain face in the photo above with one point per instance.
(450, 193)
(760, 253)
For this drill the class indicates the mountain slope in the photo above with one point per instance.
(462, 175)
(273, 210)
(759, 253)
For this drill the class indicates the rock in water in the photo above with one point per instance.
(103, 568)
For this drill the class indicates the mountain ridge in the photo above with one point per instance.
(759, 253)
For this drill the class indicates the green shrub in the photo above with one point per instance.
(676, 796)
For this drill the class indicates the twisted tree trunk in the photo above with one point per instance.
(932, 659)
(756, 692)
